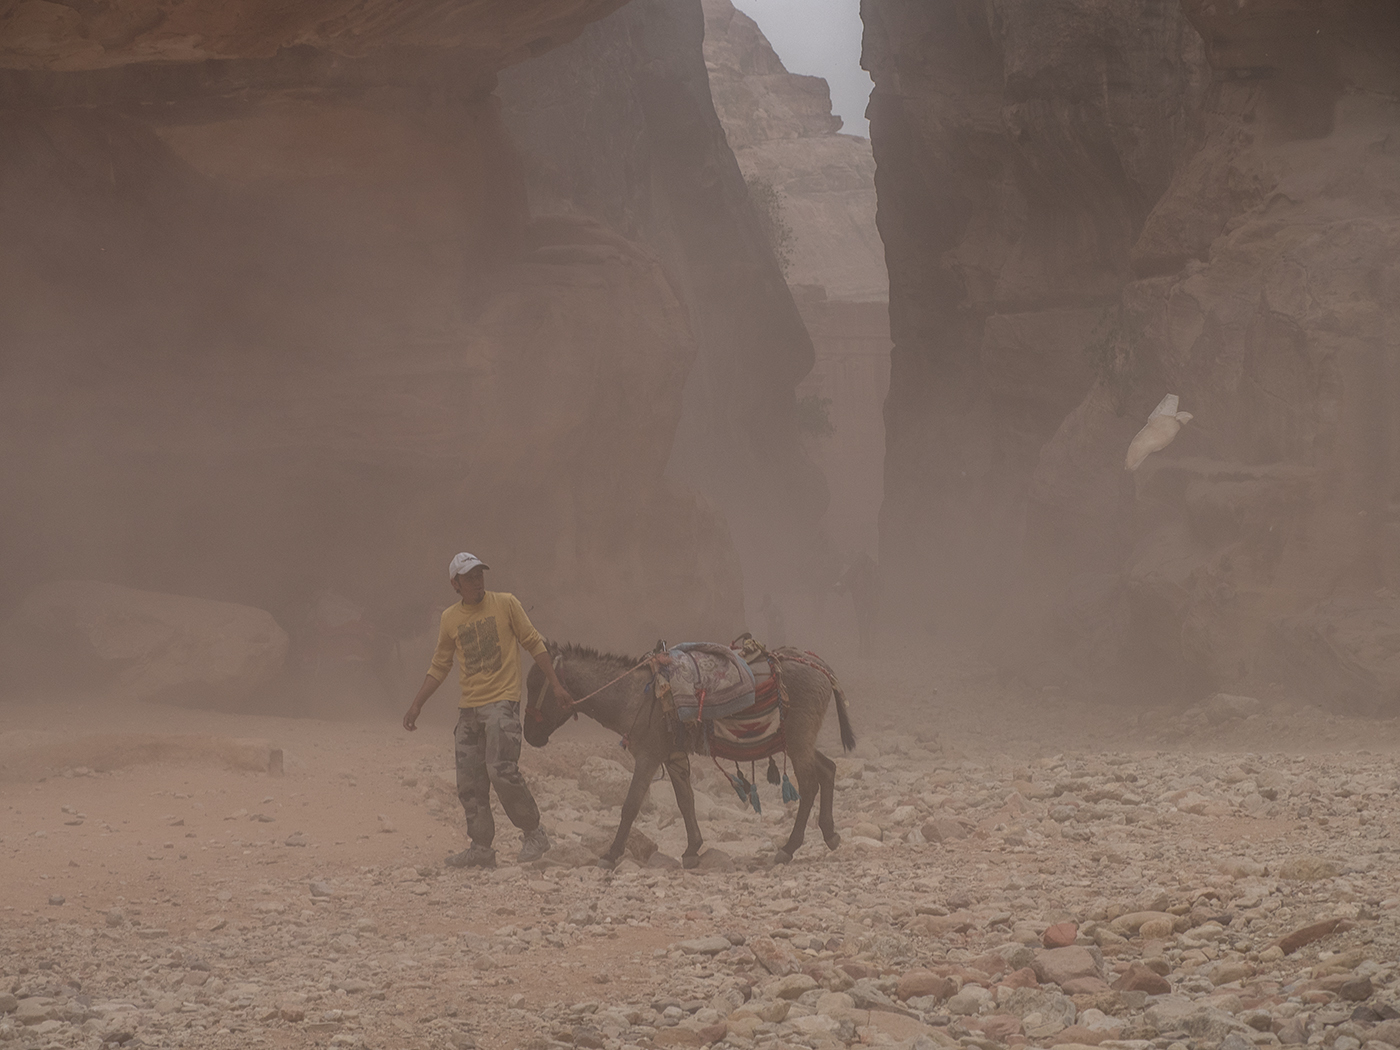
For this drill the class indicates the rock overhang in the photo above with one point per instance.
(40, 35)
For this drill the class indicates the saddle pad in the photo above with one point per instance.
(752, 734)
(708, 681)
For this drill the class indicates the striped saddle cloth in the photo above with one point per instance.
(757, 731)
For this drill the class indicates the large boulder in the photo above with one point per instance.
(1075, 969)
(145, 645)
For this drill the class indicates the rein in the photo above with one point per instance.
(572, 706)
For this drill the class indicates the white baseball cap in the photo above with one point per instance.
(463, 563)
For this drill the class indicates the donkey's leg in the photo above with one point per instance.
(807, 784)
(825, 820)
(642, 773)
(678, 769)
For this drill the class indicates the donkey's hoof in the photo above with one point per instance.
(833, 840)
(782, 857)
(608, 863)
(690, 860)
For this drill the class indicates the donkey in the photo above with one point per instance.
(617, 697)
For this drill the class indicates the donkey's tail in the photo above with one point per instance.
(843, 717)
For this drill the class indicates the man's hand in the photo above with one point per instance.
(561, 694)
(545, 663)
(410, 717)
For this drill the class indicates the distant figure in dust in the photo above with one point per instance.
(774, 623)
(862, 581)
(485, 631)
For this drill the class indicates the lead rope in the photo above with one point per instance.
(582, 700)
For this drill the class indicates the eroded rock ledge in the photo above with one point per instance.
(277, 318)
(1087, 206)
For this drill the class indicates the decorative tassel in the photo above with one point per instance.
(789, 792)
(773, 777)
(740, 785)
(753, 798)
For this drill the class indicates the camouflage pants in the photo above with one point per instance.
(488, 748)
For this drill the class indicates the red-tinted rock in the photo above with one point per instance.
(1085, 1036)
(990, 964)
(1083, 985)
(1356, 990)
(1022, 978)
(1305, 935)
(1059, 965)
(918, 983)
(777, 959)
(1000, 1027)
(945, 829)
(1061, 935)
(1138, 978)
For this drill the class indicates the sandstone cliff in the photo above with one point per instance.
(620, 126)
(785, 138)
(782, 131)
(277, 318)
(1087, 206)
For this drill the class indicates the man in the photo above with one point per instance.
(862, 581)
(485, 630)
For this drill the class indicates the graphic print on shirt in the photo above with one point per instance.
(481, 646)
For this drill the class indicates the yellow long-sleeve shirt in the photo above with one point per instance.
(486, 639)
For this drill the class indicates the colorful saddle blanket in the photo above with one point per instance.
(722, 700)
(707, 681)
(757, 731)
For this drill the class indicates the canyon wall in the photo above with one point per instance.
(278, 323)
(620, 126)
(1087, 206)
(820, 185)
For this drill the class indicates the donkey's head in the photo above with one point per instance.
(543, 712)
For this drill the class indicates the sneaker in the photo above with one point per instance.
(473, 856)
(535, 846)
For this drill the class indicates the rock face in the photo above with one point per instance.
(283, 321)
(147, 646)
(784, 136)
(849, 383)
(1087, 207)
(37, 35)
(620, 126)
(1017, 159)
(782, 130)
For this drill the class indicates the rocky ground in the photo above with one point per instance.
(1016, 870)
